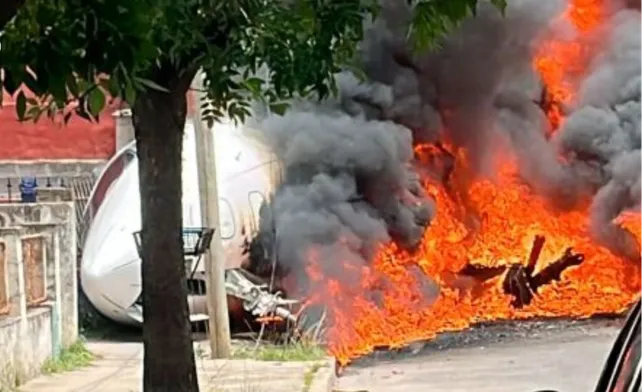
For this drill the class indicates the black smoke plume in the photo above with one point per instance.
(350, 182)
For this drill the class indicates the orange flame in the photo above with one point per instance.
(561, 63)
(387, 305)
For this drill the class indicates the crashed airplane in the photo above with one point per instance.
(110, 270)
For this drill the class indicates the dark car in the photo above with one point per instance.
(622, 370)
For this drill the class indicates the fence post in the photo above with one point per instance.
(11, 239)
(22, 291)
(56, 314)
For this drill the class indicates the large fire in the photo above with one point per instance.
(561, 63)
(511, 217)
(401, 307)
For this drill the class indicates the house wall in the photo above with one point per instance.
(79, 139)
(35, 328)
(22, 355)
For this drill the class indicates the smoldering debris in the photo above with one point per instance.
(350, 180)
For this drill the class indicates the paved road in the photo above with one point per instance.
(566, 360)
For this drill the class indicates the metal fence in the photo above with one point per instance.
(79, 185)
(81, 190)
(10, 186)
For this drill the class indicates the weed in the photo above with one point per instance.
(298, 351)
(71, 358)
(308, 377)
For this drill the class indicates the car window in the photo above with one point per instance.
(630, 365)
(621, 372)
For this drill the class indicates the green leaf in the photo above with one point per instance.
(111, 85)
(96, 101)
(130, 94)
(57, 88)
(151, 84)
(279, 107)
(80, 111)
(21, 105)
(72, 85)
(253, 85)
(33, 113)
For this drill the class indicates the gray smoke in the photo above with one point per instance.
(454, 89)
(605, 129)
(479, 91)
(349, 183)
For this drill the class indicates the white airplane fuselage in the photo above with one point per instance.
(110, 273)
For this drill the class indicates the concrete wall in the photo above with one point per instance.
(31, 334)
(49, 168)
(21, 358)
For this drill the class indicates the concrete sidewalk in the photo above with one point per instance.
(119, 369)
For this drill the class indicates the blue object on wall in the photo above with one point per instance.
(28, 189)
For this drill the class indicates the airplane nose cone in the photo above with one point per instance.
(110, 269)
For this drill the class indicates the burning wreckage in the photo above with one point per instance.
(497, 177)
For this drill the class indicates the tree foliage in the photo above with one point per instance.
(77, 51)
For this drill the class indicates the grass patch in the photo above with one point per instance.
(71, 358)
(297, 351)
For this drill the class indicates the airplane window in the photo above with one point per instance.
(111, 173)
(104, 184)
(226, 218)
(256, 199)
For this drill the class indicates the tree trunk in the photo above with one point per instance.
(159, 120)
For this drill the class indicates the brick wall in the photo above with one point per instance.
(80, 139)
(44, 140)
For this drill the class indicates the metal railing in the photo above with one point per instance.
(81, 188)
(10, 192)
(79, 185)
